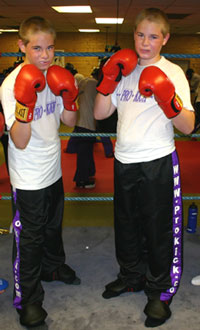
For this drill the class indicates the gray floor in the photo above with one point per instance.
(90, 252)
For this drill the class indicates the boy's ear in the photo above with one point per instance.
(21, 46)
(166, 38)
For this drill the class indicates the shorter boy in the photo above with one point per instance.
(33, 110)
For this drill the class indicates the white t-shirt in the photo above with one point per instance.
(144, 133)
(39, 164)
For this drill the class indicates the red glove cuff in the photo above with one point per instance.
(173, 108)
(2, 124)
(106, 85)
(176, 104)
(24, 113)
(70, 106)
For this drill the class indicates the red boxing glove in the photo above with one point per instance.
(29, 81)
(2, 124)
(154, 81)
(62, 82)
(122, 63)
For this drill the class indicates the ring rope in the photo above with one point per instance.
(97, 54)
(114, 134)
(102, 54)
(98, 199)
(87, 134)
(107, 198)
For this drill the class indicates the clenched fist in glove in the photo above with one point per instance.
(154, 81)
(29, 81)
(122, 63)
(62, 82)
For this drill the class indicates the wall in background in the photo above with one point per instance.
(96, 42)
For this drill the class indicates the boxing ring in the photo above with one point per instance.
(91, 253)
(101, 55)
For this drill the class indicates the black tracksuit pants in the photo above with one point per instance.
(38, 245)
(148, 224)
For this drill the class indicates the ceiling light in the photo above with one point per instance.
(8, 30)
(89, 30)
(73, 9)
(109, 20)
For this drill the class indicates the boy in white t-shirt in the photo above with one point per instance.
(35, 97)
(147, 192)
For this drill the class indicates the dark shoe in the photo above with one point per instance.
(32, 315)
(64, 274)
(118, 287)
(85, 184)
(157, 312)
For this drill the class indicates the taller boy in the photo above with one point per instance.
(33, 108)
(147, 192)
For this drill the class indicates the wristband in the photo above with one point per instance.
(176, 104)
(22, 113)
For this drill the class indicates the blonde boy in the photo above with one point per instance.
(151, 98)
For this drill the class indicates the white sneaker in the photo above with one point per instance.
(196, 280)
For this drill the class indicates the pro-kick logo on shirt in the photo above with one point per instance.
(128, 94)
(39, 111)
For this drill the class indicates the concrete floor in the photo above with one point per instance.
(90, 251)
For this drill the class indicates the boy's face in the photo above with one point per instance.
(149, 41)
(39, 50)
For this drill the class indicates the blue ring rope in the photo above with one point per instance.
(97, 54)
(114, 134)
(99, 199)
(102, 54)
(107, 198)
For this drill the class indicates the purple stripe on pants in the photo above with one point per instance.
(176, 267)
(17, 226)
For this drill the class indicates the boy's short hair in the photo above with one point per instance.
(33, 25)
(154, 15)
